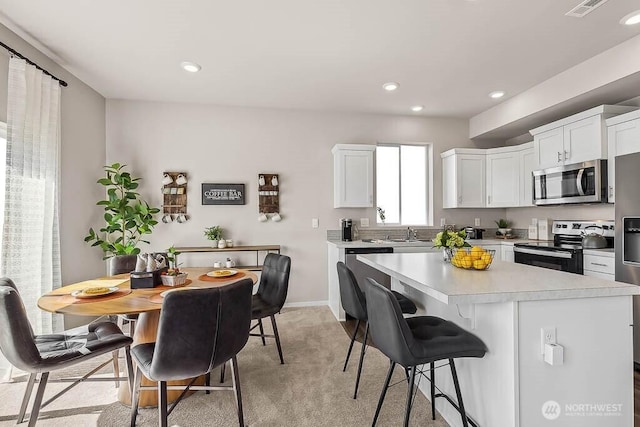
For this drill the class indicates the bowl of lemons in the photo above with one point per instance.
(475, 258)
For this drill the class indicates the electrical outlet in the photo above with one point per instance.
(364, 222)
(477, 222)
(443, 221)
(547, 336)
(315, 223)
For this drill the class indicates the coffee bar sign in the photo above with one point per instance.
(223, 194)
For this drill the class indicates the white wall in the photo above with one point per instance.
(234, 145)
(82, 158)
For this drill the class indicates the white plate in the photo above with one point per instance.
(218, 273)
(79, 293)
(184, 288)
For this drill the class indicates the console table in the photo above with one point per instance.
(257, 249)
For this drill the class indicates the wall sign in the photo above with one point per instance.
(222, 194)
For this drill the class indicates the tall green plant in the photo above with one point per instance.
(128, 217)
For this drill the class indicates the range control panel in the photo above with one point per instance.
(578, 228)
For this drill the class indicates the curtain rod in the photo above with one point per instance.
(21, 56)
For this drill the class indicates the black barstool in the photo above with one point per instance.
(417, 341)
(355, 305)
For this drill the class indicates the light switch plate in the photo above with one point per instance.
(547, 336)
(315, 223)
(364, 222)
(443, 221)
(477, 222)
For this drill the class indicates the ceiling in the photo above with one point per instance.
(321, 55)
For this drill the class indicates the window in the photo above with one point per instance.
(404, 183)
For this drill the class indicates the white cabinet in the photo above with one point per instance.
(353, 175)
(528, 164)
(599, 266)
(463, 178)
(497, 248)
(507, 253)
(503, 178)
(623, 134)
(575, 139)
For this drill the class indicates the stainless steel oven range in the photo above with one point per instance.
(564, 253)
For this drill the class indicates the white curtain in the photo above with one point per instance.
(30, 253)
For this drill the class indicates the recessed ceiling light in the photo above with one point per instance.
(417, 108)
(631, 19)
(191, 67)
(497, 94)
(390, 86)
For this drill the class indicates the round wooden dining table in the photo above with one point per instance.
(145, 302)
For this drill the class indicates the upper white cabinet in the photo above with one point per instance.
(623, 134)
(353, 175)
(575, 139)
(528, 164)
(463, 178)
(503, 177)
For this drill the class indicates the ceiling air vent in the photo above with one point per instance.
(585, 7)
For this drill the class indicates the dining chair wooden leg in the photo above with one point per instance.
(135, 397)
(116, 367)
(33, 417)
(261, 332)
(361, 362)
(162, 403)
(392, 365)
(236, 389)
(275, 332)
(26, 398)
(127, 355)
(353, 339)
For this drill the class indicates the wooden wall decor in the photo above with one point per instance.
(174, 193)
(223, 194)
(268, 193)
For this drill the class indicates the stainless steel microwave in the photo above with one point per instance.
(578, 183)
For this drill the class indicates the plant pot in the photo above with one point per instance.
(120, 264)
(214, 243)
(177, 280)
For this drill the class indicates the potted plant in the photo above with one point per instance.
(128, 218)
(173, 276)
(214, 234)
(503, 227)
(449, 240)
(381, 214)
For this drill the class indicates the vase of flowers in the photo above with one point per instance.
(449, 240)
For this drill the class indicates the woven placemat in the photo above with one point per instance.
(238, 275)
(68, 299)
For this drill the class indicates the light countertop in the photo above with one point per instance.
(426, 244)
(503, 281)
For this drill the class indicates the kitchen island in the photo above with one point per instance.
(507, 306)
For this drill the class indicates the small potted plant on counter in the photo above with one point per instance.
(173, 277)
(214, 234)
(503, 227)
(449, 240)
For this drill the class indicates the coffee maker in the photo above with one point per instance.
(347, 229)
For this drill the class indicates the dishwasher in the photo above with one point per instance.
(362, 271)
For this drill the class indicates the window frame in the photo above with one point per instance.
(429, 176)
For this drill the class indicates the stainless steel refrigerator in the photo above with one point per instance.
(627, 233)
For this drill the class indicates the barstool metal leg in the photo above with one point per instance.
(162, 403)
(392, 365)
(135, 397)
(456, 384)
(412, 379)
(236, 388)
(353, 339)
(222, 372)
(127, 356)
(33, 417)
(433, 390)
(275, 332)
(116, 367)
(364, 345)
(27, 397)
(261, 332)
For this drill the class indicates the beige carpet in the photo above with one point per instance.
(309, 390)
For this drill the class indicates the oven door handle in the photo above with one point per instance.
(579, 182)
(543, 253)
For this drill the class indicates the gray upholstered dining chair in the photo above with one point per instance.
(40, 354)
(199, 330)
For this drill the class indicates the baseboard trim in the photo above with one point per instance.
(306, 304)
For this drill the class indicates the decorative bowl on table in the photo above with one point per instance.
(174, 280)
(475, 258)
